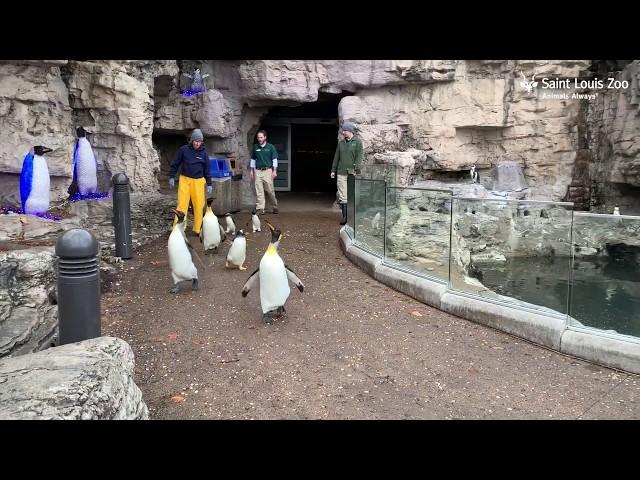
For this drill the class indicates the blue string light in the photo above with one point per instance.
(19, 211)
(90, 196)
(189, 93)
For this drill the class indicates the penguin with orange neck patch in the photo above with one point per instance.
(274, 277)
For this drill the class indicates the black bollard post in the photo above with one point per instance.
(122, 216)
(78, 286)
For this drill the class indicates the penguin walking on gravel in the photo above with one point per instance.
(180, 261)
(212, 234)
(35, 182)
(231, 226)
(255, 221)
(238, 252)
(274, 277)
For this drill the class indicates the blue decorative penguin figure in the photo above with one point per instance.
(35, 182)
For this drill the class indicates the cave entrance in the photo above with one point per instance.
(167, 144)
(306, 138)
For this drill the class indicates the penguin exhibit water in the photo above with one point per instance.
(255, 221)
(231, 226)
(274, 277)
(238, 252)
(212, 234)
(35, 182)
(180, 261)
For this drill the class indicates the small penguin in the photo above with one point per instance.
(238, 252)
(375, 223)
(212, 234)
(180, 261)
(616, 210)
(85, 166)
(231, 227)
(274, 277)
(255, 221)
(474, 174)
(35, 182)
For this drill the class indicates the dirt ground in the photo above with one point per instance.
(348, 348)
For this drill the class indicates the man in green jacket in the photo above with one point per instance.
(348, 157)
(264, 167)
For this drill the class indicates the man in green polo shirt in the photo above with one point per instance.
(348, 157)
(264, 166)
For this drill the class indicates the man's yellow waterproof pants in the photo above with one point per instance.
(191, 189)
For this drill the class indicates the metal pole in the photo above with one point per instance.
(122, 216)
(78, 286)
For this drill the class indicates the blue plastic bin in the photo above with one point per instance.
(220, 167)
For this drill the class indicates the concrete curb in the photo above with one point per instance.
(602, 350)
(537, 328)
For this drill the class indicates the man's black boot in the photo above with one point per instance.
(343, 207)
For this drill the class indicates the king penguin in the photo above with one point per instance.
(212, 233)
(180, 261)
(231, 226)
(255, 221)
(85, 166)
(35, 182)
(238, 252)
(274, 277)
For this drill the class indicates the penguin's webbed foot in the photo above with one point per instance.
(174, 289)
(242, 268)
(194, 284)
(267, 318)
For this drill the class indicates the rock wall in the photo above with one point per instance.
(614, 141)
(28, 311)
(90, 380)
(41, 102)
(432, 118)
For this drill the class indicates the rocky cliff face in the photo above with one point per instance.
(432, 118)
(614, 143)
(42, 102)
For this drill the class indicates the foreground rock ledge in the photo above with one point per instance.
(89, 380)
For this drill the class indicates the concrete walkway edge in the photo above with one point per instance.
(543, 330)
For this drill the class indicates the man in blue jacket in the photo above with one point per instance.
(195, 173)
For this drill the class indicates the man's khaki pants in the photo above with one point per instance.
(264, 181)
(342, 188)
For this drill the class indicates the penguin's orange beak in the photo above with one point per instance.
(270, 226)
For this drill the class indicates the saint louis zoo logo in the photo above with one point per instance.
(529, 86)
(568, 88)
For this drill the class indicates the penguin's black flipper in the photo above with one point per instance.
(293, 278)
(186, 240)
(250, 283)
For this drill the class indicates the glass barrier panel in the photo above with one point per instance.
(369, 215)
(417, 231)
(605, 292)
(513, 251)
